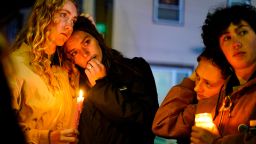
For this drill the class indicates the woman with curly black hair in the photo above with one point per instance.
(230, 35)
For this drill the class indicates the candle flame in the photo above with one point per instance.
(204, 120)
(80, 97)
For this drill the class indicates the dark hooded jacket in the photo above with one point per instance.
(120, 108)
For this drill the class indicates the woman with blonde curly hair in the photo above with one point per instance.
(43, 90)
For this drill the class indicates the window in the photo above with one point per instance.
(166, 76)
(168, 12)
(234, 2)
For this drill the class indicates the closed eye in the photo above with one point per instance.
(208, 84)
(73, 53)
(86, 42)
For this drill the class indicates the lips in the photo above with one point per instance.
(199, 96)
(240, 53)
(66, 35)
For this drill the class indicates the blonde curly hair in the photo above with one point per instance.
(34, 34)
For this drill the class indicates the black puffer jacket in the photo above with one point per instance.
(120, 108)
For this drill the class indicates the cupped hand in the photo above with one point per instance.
(63, 136)
(203, 136)
(95, 70)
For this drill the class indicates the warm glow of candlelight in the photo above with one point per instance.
(253, 123)
(204, 120)
(79, 106)
(80, 98)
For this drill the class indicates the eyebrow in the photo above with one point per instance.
(64, 10)
(239, 26)
(215, 83)
(67, 11)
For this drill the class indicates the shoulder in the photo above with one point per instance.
(137, 61)
(140, 66)
(21, 55)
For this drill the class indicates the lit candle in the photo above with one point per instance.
(252, 123)
(80, 100)
(204, 120)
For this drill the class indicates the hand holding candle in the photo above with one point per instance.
(80, 100)
(204, 131)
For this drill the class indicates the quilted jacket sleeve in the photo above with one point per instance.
(175, 115)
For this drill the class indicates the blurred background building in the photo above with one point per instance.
(167, 33)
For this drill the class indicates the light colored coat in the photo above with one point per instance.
(40, 109)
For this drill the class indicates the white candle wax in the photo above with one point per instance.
(80, 100)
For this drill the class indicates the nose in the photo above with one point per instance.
(237, 44)
(84, 52)
(198, 86)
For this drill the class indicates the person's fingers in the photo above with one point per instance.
(89, 17)
(83, 14)
(92, 63)
(95, 70)
(194, 140)
(68, 139)
(99, 64)
(201, 135)
(90, 77)
(89, 67)
(92, 20)
(99, 67)
(69, 135)
(68, 131)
